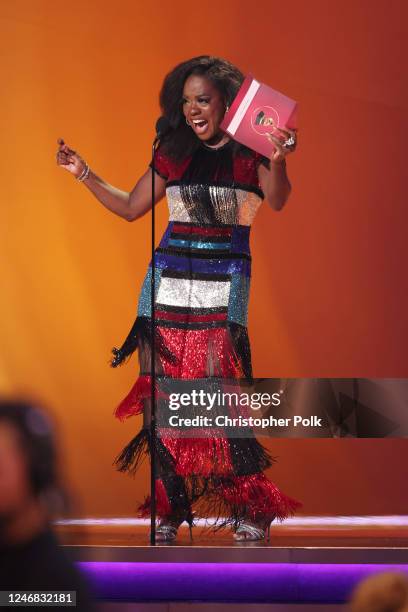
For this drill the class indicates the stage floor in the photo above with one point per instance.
(310, 540)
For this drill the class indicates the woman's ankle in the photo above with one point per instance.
(262, 521)
(175, 519)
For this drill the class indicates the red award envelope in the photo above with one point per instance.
(256, 110)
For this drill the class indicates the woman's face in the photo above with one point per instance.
(203, 107)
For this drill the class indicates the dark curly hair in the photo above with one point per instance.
(180, 141)
(37, 442)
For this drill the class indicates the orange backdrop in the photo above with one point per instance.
(329, 291)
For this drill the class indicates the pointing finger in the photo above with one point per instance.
(67, 150)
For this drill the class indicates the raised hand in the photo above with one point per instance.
(69, 159)
(284, 144)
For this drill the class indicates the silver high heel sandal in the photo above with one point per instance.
(166, 532)
(249, 532)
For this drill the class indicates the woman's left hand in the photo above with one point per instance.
(283, 146)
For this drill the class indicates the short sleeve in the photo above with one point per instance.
(161, 165)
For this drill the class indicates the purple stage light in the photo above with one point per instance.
(228, 582)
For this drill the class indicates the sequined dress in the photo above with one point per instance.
(202, 280)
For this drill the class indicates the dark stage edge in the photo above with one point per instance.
(181, 554)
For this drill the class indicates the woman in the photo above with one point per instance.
(214, 187)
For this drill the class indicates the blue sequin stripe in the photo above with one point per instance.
(185, 263)
(238, 299)
(240, 239)
(144, 308)
(199, 245)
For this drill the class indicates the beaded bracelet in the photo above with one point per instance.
(84, 174)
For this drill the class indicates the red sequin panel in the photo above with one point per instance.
(245, 169)
(196, 350)
(200, 456)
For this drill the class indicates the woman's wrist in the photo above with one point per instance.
(84, 174)
(280, 163)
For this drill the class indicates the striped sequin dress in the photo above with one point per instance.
(203, 271)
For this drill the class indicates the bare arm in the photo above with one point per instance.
(140, 198)
(274, 181)
(275, 184)
(129, 206)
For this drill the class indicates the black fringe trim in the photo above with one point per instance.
(130, 458)
(204, 493)
(240, 340)
(214, 505)
(178, 497)
(133, 454)
(248, 456)
(140, 333)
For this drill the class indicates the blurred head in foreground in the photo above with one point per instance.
(387, 592)
(28, 470)
(30, 555)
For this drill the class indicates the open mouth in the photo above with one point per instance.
(200, 125)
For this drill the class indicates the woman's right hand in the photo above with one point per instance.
(69, 159)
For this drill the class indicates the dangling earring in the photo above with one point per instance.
(187, 122)
(227, 108)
